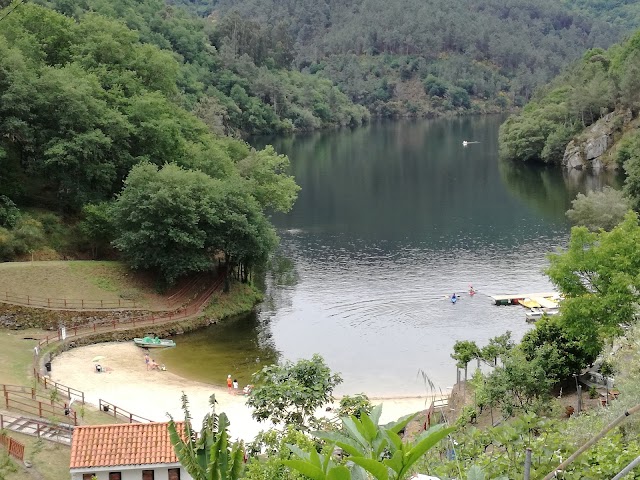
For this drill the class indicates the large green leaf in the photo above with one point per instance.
(475, 473)
(375, 468)
(369, 427)
(339, 473)
(353, 430)
(305, 468)
(314, 458)
(399, 424)
(298, 451)
(393, 438)
(395, 462)
(375, 414)
(186, 455)
(347, 444)
(357, 472)
(434, 435)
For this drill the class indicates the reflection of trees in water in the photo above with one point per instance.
(283, 271)
(550, 190)
(252, 341)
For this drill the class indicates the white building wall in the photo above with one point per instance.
(131, 473)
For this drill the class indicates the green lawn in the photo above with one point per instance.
(87, 280)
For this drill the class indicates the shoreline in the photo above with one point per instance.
(155, 394)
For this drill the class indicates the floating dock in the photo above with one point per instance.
(545, 299)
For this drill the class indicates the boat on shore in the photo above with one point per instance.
(153, 342)
(537, 313)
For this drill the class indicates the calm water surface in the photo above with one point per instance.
(391, 220)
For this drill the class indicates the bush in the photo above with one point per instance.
(467, 416)
(9, 213)
(593, 393)
(354, 405)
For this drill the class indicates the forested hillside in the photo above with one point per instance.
(600, 83)
(422, 58)
(619, 12)
(232, 93)
(87, 107)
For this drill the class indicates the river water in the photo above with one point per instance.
(391, 220)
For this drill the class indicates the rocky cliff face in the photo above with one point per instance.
(586, 152)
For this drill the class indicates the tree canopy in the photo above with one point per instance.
(598, 209)
(598, 275)
(417, 58)
(290, 392)
(89, 105)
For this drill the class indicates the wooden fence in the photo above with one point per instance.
(67, 303)
(120, 413)
(70, 393)
(123, 324)
(15, 448)
(26, 400)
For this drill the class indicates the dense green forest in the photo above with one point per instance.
(421, 58)
(87, 107)
(229, 91)
(603, 81)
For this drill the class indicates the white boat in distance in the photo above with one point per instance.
(537, 313)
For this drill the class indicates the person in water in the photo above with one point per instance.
(454, 297)
(471, 290)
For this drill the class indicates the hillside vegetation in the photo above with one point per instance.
(420, 58)
(84, 104)
(231, 93)
(601, 82)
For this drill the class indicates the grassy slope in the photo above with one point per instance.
(88, 280)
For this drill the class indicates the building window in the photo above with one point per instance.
(115, 476)
(148, 475)
(174, 474)
(88, 476)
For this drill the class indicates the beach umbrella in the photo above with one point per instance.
(98, 358)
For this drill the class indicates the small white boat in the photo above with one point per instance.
(536, 313)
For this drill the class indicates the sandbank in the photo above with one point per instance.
(153, 394)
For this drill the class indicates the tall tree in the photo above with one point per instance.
(598, 275)
(291, 392)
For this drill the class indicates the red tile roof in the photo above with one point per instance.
(122, 444)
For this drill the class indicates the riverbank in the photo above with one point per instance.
(153, 394)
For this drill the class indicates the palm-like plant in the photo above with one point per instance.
(373, 448)
(210, 455)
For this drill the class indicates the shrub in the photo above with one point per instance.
(9, 213)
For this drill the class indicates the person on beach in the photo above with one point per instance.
(235, 384)
(229, 383)
(146, 360)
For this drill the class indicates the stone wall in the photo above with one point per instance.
(15, 317)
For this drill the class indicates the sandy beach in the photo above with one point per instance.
(153, 394)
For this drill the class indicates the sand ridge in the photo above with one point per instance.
(153, 394)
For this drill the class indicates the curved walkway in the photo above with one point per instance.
(190, 311)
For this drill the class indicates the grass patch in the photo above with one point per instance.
(241, 299)
(86, 280)
(50, 461)
(16, 355)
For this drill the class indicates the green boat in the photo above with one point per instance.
(151, 342)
